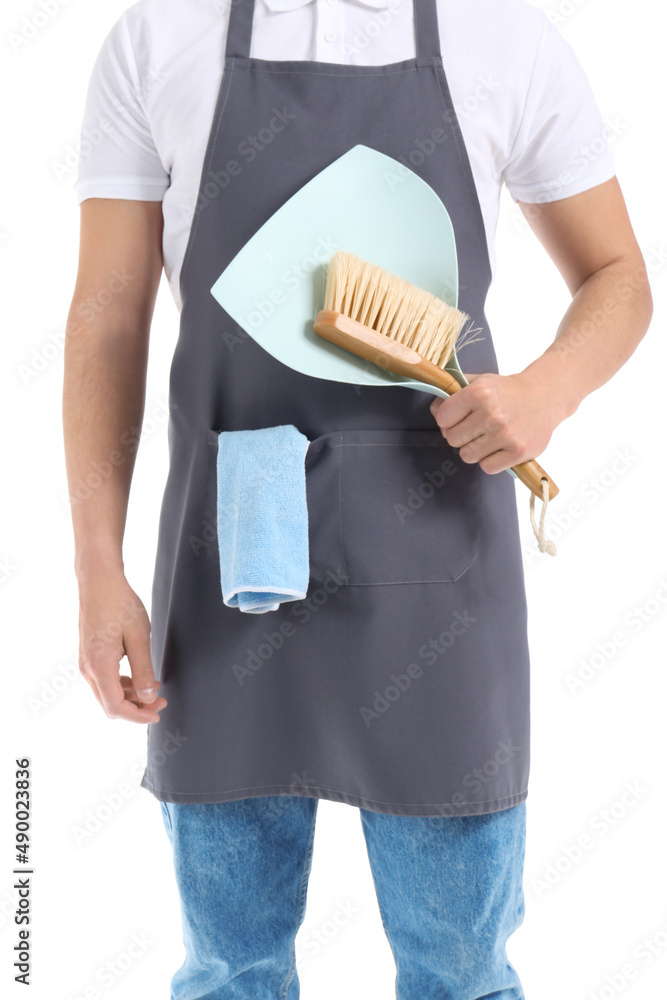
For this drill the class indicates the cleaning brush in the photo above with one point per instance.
(392, 307)
(386, 320)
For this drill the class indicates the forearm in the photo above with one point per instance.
(608, 316)
(500, 421)
(103, 404)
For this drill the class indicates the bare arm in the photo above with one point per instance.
(499, 421)
(106, 353)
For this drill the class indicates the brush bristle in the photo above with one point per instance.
(392, 306)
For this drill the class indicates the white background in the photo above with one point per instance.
(585, 919)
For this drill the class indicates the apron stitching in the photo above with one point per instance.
(305, 72)
(404, 583)
(387, 444)
(379, 444)
(452, 121)
(455, 126)
(340, 513)
(415, 15)
(337, 791)
(205, 165)
(397, 583)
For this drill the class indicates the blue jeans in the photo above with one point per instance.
(449, 890)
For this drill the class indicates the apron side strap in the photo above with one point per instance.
(239, 29)
(426, 28)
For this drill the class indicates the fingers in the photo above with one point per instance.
(496, 462)
(455, 423)
(472, 420)
(485, 445)
(116, 694)
(132, 697)
(112, 695)
(112, 624)
(479, 428)
(494, 421)
(449, 412)
(137, 647)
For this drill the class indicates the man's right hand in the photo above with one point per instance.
(113, 623)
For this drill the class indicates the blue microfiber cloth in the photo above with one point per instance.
(262, 517)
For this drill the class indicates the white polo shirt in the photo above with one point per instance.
(526, 108)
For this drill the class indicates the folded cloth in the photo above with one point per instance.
(262, 517)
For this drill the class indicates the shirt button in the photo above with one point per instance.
(330, 36)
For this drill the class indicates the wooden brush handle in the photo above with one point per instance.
(401, 360)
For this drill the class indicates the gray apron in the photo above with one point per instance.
(401, 683)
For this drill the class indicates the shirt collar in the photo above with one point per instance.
(284, 5)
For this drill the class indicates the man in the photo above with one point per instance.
(193, 162)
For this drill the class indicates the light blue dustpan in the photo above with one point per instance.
(368, 204)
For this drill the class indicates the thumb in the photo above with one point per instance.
(137, 648)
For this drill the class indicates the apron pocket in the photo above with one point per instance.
(384, 507)
(408, 508)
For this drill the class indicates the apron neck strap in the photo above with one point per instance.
(426, 28)
(239, 30)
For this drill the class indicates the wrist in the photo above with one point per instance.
(551, 378)
(102, 558)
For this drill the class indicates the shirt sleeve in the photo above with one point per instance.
(118, 157)
(562, 144)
